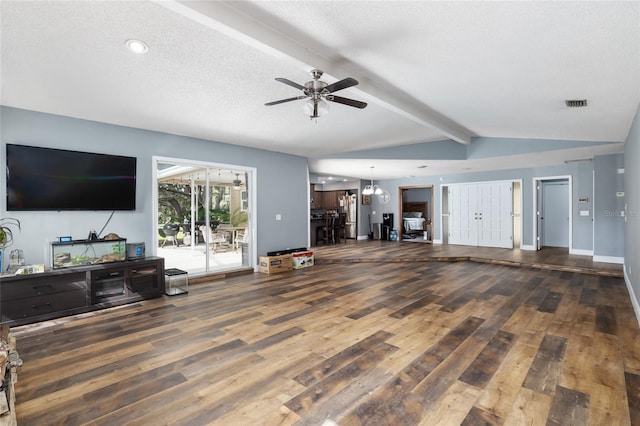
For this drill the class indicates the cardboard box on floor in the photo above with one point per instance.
(275, 264)
(302, 259)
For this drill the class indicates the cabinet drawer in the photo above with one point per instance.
(33, 286)
(41, 305)
(143, 283)
(143, 278)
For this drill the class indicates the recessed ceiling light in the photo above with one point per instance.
(137, 46)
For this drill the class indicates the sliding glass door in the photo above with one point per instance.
(203, 215)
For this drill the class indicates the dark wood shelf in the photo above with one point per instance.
(26, 299)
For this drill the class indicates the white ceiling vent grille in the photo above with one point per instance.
(576, 103)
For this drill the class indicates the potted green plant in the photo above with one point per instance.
(239, 218)
(6, 234)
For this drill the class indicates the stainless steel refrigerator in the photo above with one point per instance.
(349, 205)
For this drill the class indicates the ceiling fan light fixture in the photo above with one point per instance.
(309, 106)
(237, 183)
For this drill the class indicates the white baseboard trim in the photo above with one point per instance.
(581, 252)
(528, 247)
(634, 298)
(609, 259)
(437, 241)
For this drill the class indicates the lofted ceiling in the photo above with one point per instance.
(429, 71)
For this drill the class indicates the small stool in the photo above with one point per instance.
(176, 282)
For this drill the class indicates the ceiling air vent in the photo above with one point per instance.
(576, 103)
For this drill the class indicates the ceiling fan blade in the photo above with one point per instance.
(346, 101)
(281, 101)
(342, 84)
(290, 83)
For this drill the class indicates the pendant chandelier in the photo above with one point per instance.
(372, 189)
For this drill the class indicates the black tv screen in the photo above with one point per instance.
(57, 179)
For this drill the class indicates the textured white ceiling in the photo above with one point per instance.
(429, 71)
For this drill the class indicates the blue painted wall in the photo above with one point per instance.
(582, 186)
(609, 206)
(282, 182)
(632, 200)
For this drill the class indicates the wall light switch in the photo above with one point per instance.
(278, 216)
(584, 212)
(620, 194)
(620, 171)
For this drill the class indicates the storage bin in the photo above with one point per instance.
(176, 282)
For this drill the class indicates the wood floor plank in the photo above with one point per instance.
(485, 365)
(633, 395)
(375, 333)
(528, 408)
(569, 407)
(394, 403)
(339, 360)
(543, 374)
(606, 319)
(453, 407)
(479, 417)
(329, 386)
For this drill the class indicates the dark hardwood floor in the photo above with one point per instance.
(371, 335)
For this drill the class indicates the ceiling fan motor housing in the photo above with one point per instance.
(315, 85)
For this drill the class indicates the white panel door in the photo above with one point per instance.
(495, 215)
(481, 215)
(463, 215)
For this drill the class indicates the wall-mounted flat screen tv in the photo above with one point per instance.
(56, 179)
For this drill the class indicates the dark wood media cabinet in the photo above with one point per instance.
(26, 299)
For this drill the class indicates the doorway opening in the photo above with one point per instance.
(203, 215)
(416, 213)
(552, 210)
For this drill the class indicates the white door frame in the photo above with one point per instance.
(537, 182)
(252, 191)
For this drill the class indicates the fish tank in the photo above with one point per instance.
(87, 252)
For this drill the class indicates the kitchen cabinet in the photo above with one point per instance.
(331, 199)
(315, 201)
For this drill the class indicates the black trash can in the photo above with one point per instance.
(387, 226)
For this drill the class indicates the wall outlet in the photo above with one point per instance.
(620, 194)
(620, 171)
(278, 216)
(584, 212)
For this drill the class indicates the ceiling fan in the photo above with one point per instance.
(318, 93)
